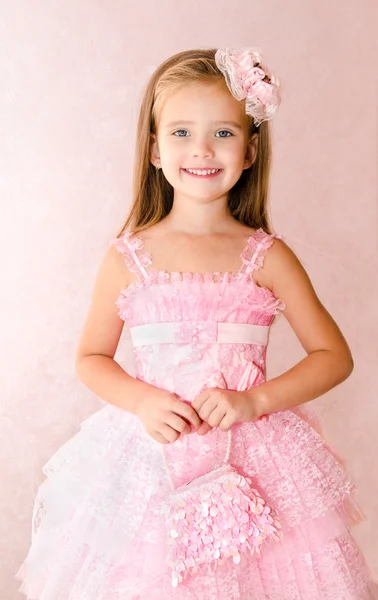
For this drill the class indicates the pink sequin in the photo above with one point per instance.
(224, 515)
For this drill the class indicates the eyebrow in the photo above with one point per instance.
(232, 123)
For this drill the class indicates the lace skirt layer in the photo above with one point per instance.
(99, 533)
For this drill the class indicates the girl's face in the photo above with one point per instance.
(202, 127)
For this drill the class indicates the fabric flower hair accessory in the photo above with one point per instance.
(249, 79)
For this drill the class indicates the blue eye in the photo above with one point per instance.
(178, 132)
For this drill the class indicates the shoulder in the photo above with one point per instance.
(114, 268)
(278, 261)
(284, 274)
(135, 238)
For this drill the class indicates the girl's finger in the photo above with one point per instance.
(158, 437)
(185, 410)
(178, 423)
(201, 399)
(208, 407)
(216, 417)
(170, 434)
(226, 423)
(205, 428)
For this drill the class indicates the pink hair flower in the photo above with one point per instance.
(249, 79)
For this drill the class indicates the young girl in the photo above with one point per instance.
(200, 479)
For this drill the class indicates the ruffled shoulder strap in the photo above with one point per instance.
(129, 245)
(254, 253)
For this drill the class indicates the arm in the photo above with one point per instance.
(94, 360)
(163, 415)
(328, 362)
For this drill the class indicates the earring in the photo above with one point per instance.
(158, 166)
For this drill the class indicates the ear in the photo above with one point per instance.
(154, 149)
(251, 151)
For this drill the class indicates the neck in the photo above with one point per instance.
(199, 217)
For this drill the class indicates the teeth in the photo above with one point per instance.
(202, 171)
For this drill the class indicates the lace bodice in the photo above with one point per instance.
(186, 326)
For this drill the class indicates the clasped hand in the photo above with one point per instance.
(165, 416)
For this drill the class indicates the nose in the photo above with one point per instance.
(202, 148)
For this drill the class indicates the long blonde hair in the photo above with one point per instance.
(152, 193)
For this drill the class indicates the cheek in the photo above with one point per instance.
(234, 150)
(172, 151)
(235, 159)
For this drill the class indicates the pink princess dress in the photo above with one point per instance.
(99, 530)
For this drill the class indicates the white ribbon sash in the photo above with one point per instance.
(189, 332)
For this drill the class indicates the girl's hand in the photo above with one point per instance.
(222, 408)
(165, 417)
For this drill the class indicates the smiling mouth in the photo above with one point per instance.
(202, 172)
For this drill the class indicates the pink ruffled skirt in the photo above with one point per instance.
(99, 531)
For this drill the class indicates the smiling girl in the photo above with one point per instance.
(200, 479)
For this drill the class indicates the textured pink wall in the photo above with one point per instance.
(71, 79)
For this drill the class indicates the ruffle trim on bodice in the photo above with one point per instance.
(177, 301)
(128, 245)
(138, 259)
(252, 258)
(254, 254)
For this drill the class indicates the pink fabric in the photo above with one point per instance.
(99, 529)
(249, 79)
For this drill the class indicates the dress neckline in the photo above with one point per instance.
(145, 259)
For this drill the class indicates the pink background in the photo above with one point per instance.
(71, 80)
